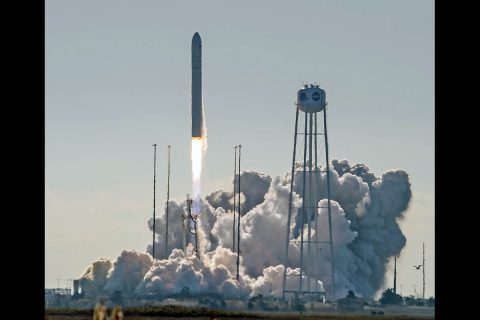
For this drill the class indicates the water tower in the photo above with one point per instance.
(311, 100)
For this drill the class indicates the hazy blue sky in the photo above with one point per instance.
(118, 80)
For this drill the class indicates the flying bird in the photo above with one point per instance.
(417, 267)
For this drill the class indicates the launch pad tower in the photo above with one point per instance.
(311, 100)
(189, 223)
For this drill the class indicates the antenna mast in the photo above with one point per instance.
(234, 198)
(395, 275)
(239, 213)
(154, 176)
(423, 267)
(168, 198)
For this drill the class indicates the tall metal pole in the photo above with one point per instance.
(154, 178)
(423, 267)
(315, 202)
(309, 202)
(395, 275)
(197, 253)
(328, 199)
(290, 205)
(315, 137)
(239, 212)
(365, 279)
(234, 198)
(168, 198)
(303, 201)
(185, 223)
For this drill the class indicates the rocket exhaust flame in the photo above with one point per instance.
(199, 148)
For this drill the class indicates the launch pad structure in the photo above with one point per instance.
(311, 100)
(189, 222)
(154, 185)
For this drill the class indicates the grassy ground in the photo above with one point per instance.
(178, 312)
(286, 316)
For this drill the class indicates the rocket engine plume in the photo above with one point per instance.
(199, 148)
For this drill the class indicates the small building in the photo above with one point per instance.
(350, 303)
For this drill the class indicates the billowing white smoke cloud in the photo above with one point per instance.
(366, 235)
(208, 275)
(254, 186)
(95, 276)
(271, 281)
(175, 229)
(98, 271)
(128, 270)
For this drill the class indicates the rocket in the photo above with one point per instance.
(197, 108)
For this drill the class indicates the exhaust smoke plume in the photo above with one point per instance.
(199, 150)
(365, 212)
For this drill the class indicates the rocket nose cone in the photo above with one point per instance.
(196, 38)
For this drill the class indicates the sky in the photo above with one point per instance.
(117, 80)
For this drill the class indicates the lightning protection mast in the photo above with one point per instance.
(168, 199)
(154, 177)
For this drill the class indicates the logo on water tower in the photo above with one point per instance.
(316, 96)
(303, 96)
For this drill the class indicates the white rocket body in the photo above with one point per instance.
(197, 108)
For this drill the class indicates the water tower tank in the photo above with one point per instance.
(311, 99)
